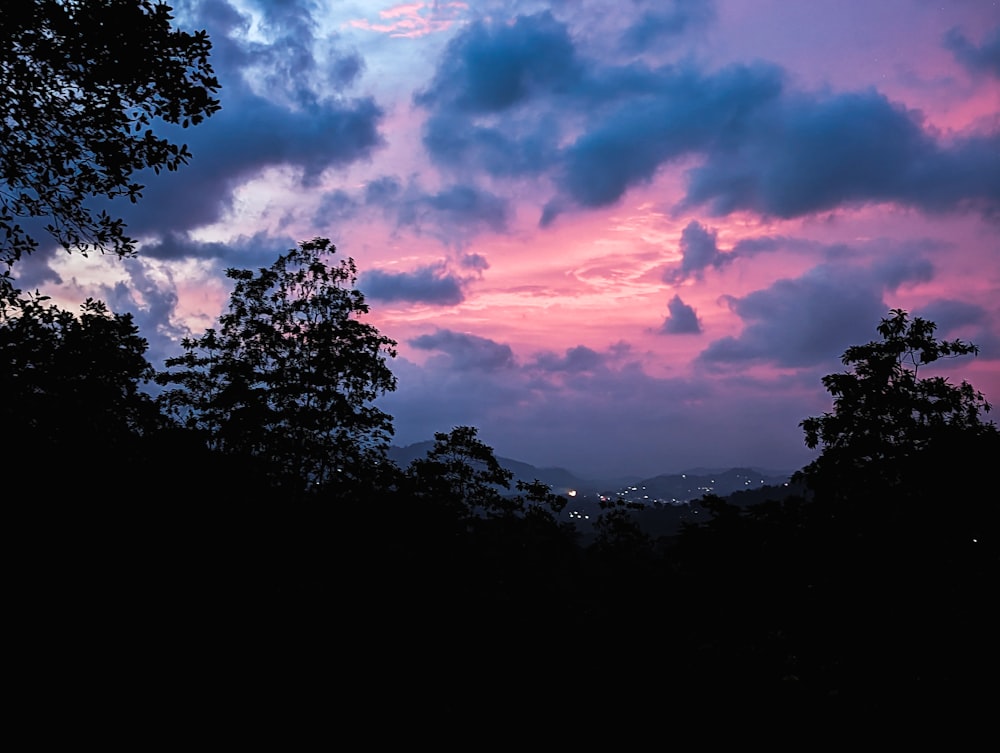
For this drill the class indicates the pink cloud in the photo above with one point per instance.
(411, 20)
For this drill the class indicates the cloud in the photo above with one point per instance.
(32, 271)
(967, 321)
(452, 214)
(802, 322)
(335, 205)
(489, 68)
(467, 352)
(415, 19)
(666, 21)
(897, 269)
(430, 284)
(475, 262)
(598, 129)
(669, 113)
(152, 304)
(811, 153)
(576, 359)
(522, 148)
(246, 252)
(949, 313)
(984, 58)
(699, 251)
(600, 416)
(682, 319)
(282, 105)
(468, 206)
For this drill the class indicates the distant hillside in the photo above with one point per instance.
(560, 479)
(668, 488)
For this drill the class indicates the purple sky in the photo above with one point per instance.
(617, 236)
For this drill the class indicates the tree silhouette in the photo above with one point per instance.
(290, 376)
(84, 82)
(72, 388)
(885, 416)
(461, 471)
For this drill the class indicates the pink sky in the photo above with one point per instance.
(617, 237)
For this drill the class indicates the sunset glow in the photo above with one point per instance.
(618, 237)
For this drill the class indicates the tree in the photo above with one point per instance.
(885, 416)
(461, 471)
(290, 376)
(84, 82)
(72, 383)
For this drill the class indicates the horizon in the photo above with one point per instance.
(624, 238)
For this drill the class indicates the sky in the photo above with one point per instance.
(617, 236)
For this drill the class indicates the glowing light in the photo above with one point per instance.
(571, 492)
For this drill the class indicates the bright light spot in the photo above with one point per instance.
(571, 492)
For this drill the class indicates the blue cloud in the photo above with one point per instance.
(681, 320)
(699, 251)
(808, 153)
(489, 68)
(307, 129)
(984, 58)
(430, 284)
(761, 146)
(667, 20)
(467, 352)
(576, 359)
(801, 322)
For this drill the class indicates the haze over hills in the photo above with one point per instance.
(668, 488)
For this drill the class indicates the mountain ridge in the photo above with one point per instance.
(663, 487)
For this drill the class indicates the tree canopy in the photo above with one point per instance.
(885, 415)
(84, 84)
(291, 374)
(72, 384)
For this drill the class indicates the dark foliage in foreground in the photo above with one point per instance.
(439, 595)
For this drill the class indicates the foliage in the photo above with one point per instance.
(69, 380)
(884, 414)
(84, 82)
(290, 376)
(461, 471)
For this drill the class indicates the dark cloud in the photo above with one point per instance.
(313, 129)
(949, 314)
(966, 321)
(984, 58)
(802, 322)
(467, 352)
(32, 271)
(430, 284)
(476, 262)
(489, 68)
(664, 22)
(896, 269)
(808, 153)
(762, 146)
(576, 359)
(519, 148)
(451, 213)
(469, 206)
(681, 112)
(382, 191)
(699, 251)
(244, 252)
(681, 320)
(152, 305)
(335, 205)
(567, 418)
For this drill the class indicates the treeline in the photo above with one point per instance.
(223, 545)
(252, 493)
